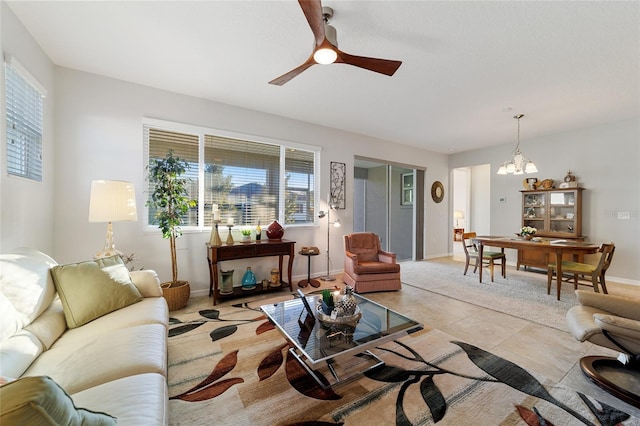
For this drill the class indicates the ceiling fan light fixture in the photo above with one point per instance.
(325, 56)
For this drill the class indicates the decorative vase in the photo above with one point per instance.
(275, 278)
(248, 280)
(275, 231)
(528, 237)
(226, 287)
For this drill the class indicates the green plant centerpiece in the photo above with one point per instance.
(170, 200)
(327, 301)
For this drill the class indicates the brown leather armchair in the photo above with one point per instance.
(367, 267)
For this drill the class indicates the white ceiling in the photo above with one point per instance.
(468, 66)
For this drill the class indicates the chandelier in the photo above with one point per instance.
(519, 164)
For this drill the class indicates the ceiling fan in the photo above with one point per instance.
(326, 49)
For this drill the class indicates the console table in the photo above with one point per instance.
(241, 250)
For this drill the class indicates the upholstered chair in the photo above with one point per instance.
(612, 322)
(367, 267)
(489, 258)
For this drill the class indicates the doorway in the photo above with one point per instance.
(471, 202)
(388, 200)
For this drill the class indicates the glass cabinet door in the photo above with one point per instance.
(562, 212)
(534, 210)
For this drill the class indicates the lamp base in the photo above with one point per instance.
(107, 253)
(328, 278)
(109, 246)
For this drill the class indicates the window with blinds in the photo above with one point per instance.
(24, 110)
(249, 181)
(184, 146)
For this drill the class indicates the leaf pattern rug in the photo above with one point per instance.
(230, 366)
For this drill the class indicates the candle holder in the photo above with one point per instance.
(229, 237)
(215, 239)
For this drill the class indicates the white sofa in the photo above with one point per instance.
(115, 364)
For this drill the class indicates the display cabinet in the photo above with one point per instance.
(556, 214)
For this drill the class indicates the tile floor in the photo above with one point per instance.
(547, 351)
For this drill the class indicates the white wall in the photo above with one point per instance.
(100, 137)
(605, 160)
(26, 207)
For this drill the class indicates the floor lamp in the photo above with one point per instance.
(336, 224)
(111, 201)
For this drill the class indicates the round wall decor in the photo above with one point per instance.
(437, 191)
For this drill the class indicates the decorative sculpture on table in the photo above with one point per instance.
(275, 231)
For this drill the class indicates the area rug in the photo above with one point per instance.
(229, 366)
(522, 294)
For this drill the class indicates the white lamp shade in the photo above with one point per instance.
(531, 168)
(112, 201)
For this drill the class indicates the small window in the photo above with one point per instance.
(24, 109)
(407, 189)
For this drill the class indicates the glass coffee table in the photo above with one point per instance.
(343, 349)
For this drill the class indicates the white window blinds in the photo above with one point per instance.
(184, 146)
(24, 110)
(249, 181)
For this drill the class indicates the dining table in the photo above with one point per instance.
(559, 247)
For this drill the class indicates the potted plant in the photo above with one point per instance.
(170, 200)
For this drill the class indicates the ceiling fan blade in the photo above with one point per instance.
(312, 10)
(382, 66)
(279, 81)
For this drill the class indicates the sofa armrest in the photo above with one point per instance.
(147, 282)
(386, 257)
(621, 306)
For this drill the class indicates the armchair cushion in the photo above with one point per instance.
(365, 246)
(375, 268)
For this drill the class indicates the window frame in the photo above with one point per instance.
(200, 131)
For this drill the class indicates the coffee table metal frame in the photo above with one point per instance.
(327, 344)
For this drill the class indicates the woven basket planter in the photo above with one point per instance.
(176, 295)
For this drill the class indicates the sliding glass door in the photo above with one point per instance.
(384, 203)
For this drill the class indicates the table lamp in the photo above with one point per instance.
(111, 201)
(458, 216)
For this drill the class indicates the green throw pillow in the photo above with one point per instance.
(91, 289)
(38, 400)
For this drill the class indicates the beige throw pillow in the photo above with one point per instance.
(41, 401)
(91, 289)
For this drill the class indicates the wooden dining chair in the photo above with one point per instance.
(595, 273)
(489, 258)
